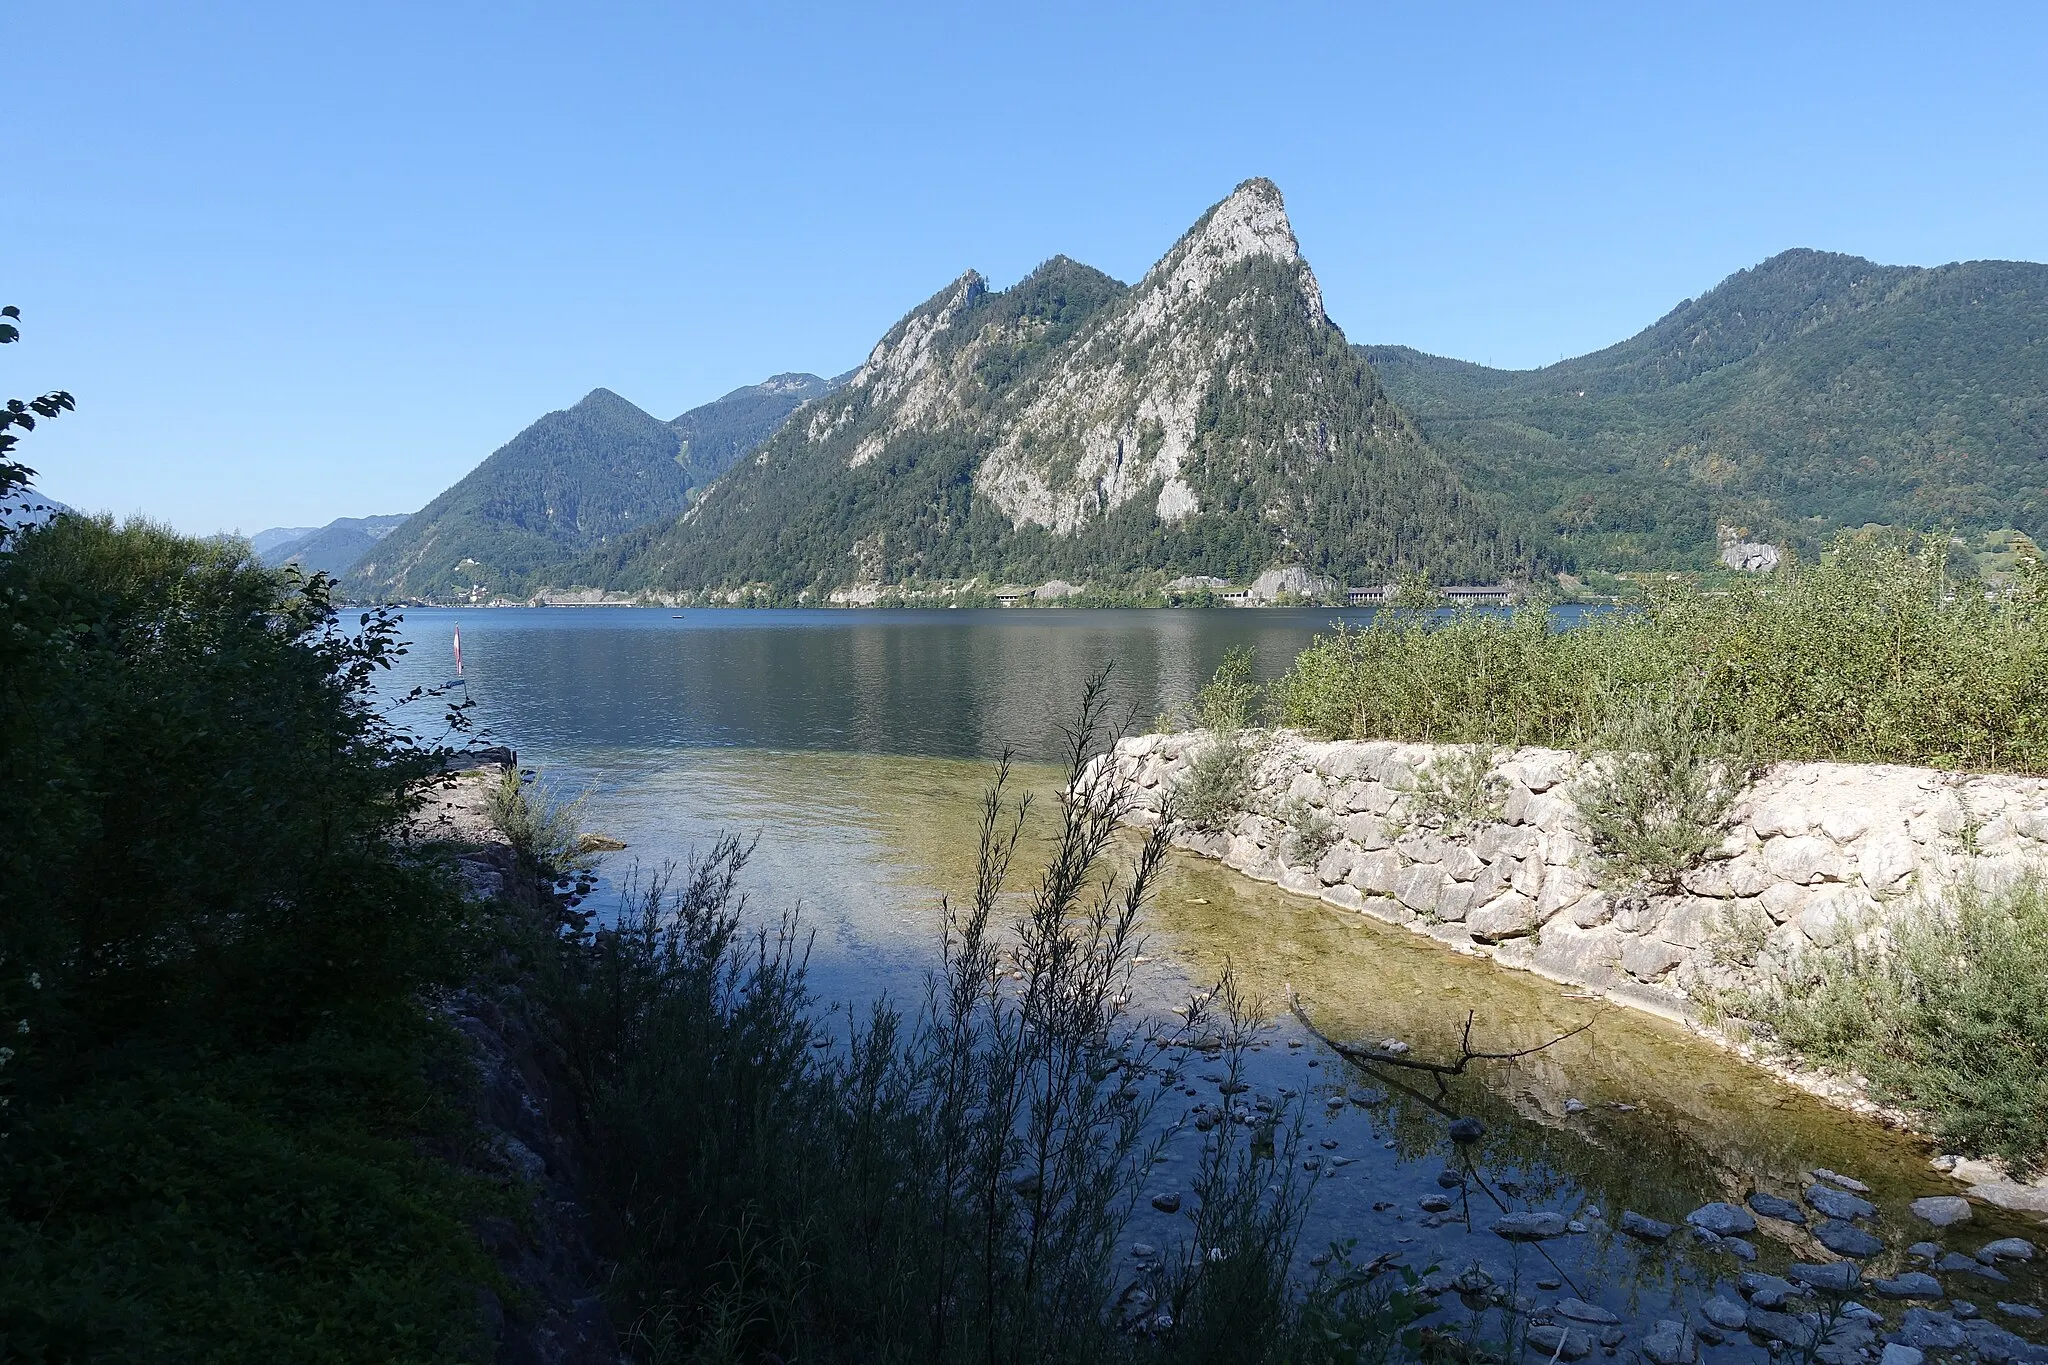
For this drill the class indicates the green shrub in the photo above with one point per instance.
(227, 1089)
(1661, 788)
(1873, 654)
(545, 830)
(1219, 781)
(1948, 1018)
(1460, 792)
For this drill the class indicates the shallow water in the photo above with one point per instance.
(855, 744)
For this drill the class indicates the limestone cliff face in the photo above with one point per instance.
(1210, 418)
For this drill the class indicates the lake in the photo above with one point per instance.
(854, 744)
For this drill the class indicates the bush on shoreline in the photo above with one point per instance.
(1872, 655)
(1946, 1016)
(225, 1093)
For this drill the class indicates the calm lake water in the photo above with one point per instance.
(855, 745)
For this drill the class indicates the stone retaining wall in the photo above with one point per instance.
(1815, 855)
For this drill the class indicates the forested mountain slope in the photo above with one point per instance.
(1813, 392)
(1210, 419)
(566, 484)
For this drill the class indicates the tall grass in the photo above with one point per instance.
(950, 1183)
(1947, 1015)
(1873, 654)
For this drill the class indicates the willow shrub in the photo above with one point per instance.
(1873, 654)
(1948, 1017)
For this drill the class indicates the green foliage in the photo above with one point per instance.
(950, 1184)
(1873, 654)
(225, 1083)
(1948, 1018)
(1219, 781)
(20, 413)
(1811, 394)
(1662, 787)
(1310, 833)
(545, 830)
(1459, 792)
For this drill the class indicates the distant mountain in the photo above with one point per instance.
(1812, 392)
(569, 482)
(332, 549)
(263, 542)
(1209, 420)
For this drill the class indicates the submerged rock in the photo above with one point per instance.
(1530, 1227)
(1914, 1284)
(1467, 1130)
(1771, 1206)
(1724, 1312)
(1846, 1239)
(1837, 1276)
(1649, 1229)
(1563, 1343)
(1578, 1310)
(1837, 1178)
(1928, 1330)
(1942, 1210)
(2006, 1249)
(1767, 1291)
(1670, 1343)
(1722, 1219)
(1838, 1204)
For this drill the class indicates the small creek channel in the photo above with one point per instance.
(856, 745)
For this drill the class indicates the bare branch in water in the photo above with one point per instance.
(1372, 1056)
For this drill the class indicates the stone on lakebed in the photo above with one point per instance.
(1942, 1210)
(1846, 1239)
(1771, 1206)
(1531, 1227)
(1722, 1219)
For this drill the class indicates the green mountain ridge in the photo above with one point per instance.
(567, 483)
(1812, 392)
(1208, 420)
(332, 549)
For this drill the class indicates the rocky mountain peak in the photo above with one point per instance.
(1251, 221)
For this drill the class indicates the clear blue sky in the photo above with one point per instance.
(301, 260)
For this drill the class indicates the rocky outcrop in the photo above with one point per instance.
(1815, 856)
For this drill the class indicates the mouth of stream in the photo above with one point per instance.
(1632, 1115)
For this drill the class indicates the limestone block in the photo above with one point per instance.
(1369, 832)
(1646, 959)
(1418, 887)
(1782, 901)
(1344, 897)
(1590, 912)
(1947, 813)
(1886, 864)
(1346, 762)
(1690, 922)
(1527, 877)
(1805, 858)
(2034, 825)
(1375, 871)
(1507, 915)
(1488, 881)
(1746, 875)
(1562, 887)
(1461, 863)
(1388, 909)
(1584, 955)
(1420, 846)
(1308, 787)
(1539, 769)
(1638, 916)
(1454, 934)
(1781, 815)
(1454, 899)
(1396, 774)
(1565, 849)
(1139, 746)
(1379, 798)
(1831, 916)
(2000, 874)
(1516, 841)
(1245, 851)
(1348, 797)
(1551, 813)
(1515, 810)
(1845, 824)
(1336, 864)
(1786, 942)
(1302, 880)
